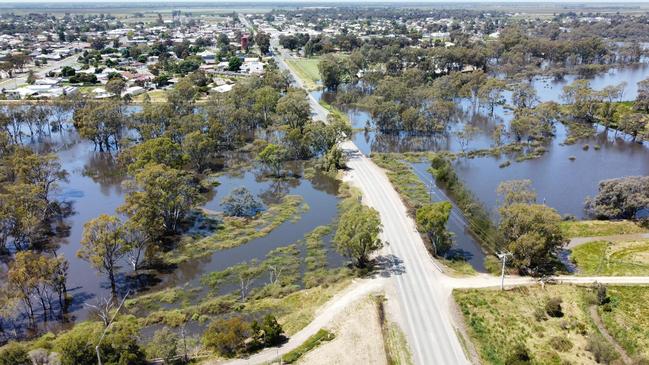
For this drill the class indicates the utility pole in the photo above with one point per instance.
(108, 326)
(503, 257)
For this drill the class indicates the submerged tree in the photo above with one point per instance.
(241, 203)
(621, 198)
(103, 246)
(273, 156)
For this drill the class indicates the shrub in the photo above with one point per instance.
(493, 265)
(602, 351)
(518, 355)
(14, 353)
(164, 345)
(602, 295)
(539, 314)
(560, 344)
(553, 307)
(241, 203)
(269, 332)
(227, 336)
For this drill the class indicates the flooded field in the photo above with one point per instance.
(94, 188)
(563, 177)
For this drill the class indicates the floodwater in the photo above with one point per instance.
(559, 180)
(93, 189)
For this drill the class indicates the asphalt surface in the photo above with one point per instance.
(423, 298)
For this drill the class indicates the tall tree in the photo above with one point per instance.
(357, 235)
(432, 219)
(103, 246)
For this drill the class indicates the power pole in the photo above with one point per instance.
(503, 257)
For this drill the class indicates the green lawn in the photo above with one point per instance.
(307, 70)
(612, 258)
(593, 228)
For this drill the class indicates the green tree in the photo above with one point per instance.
(266, 99)
(116, 86)
(357, 235)
(31, 77)
(490, 92)
(263, 41)
(103, 246)
(294, 110)
(199, 149)
(227, 336)
(516, 191)
(533, 235)
(234, 64)
(160, 150)
(273, 156)
(332, 70)
(162, 199)
(269, 332)
(163, 345)
(431, 219)
(101, 123)
(182, 97)
(621, 198)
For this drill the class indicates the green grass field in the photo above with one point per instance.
(592, 228)
(307, 70)
(612, 258)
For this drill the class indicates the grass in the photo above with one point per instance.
(157, 96)
(593, 228)
(627, 318)
(312, 342)
(499, 321)
(459, 268)
(296, 310)
(612, 258)
(412, 190)
(238, 231)
(307, 70)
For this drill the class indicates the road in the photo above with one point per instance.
(358, 290)
(576, 241)
(42, 71)
(423, 298)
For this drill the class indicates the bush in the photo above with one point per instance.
(241, 203)
(164, 345)
(14, 353)
(518, 356)
(602, 296)
(560, 344)
(493, 265)
(553, 307)
(539, 314)
(602, 351)
(227, 336)
(312, 342)
(269, 332)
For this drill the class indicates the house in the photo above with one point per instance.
(207, 56)
(133, 91)
(223, 88)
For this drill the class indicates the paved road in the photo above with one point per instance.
(576, 241)
(423, 298)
